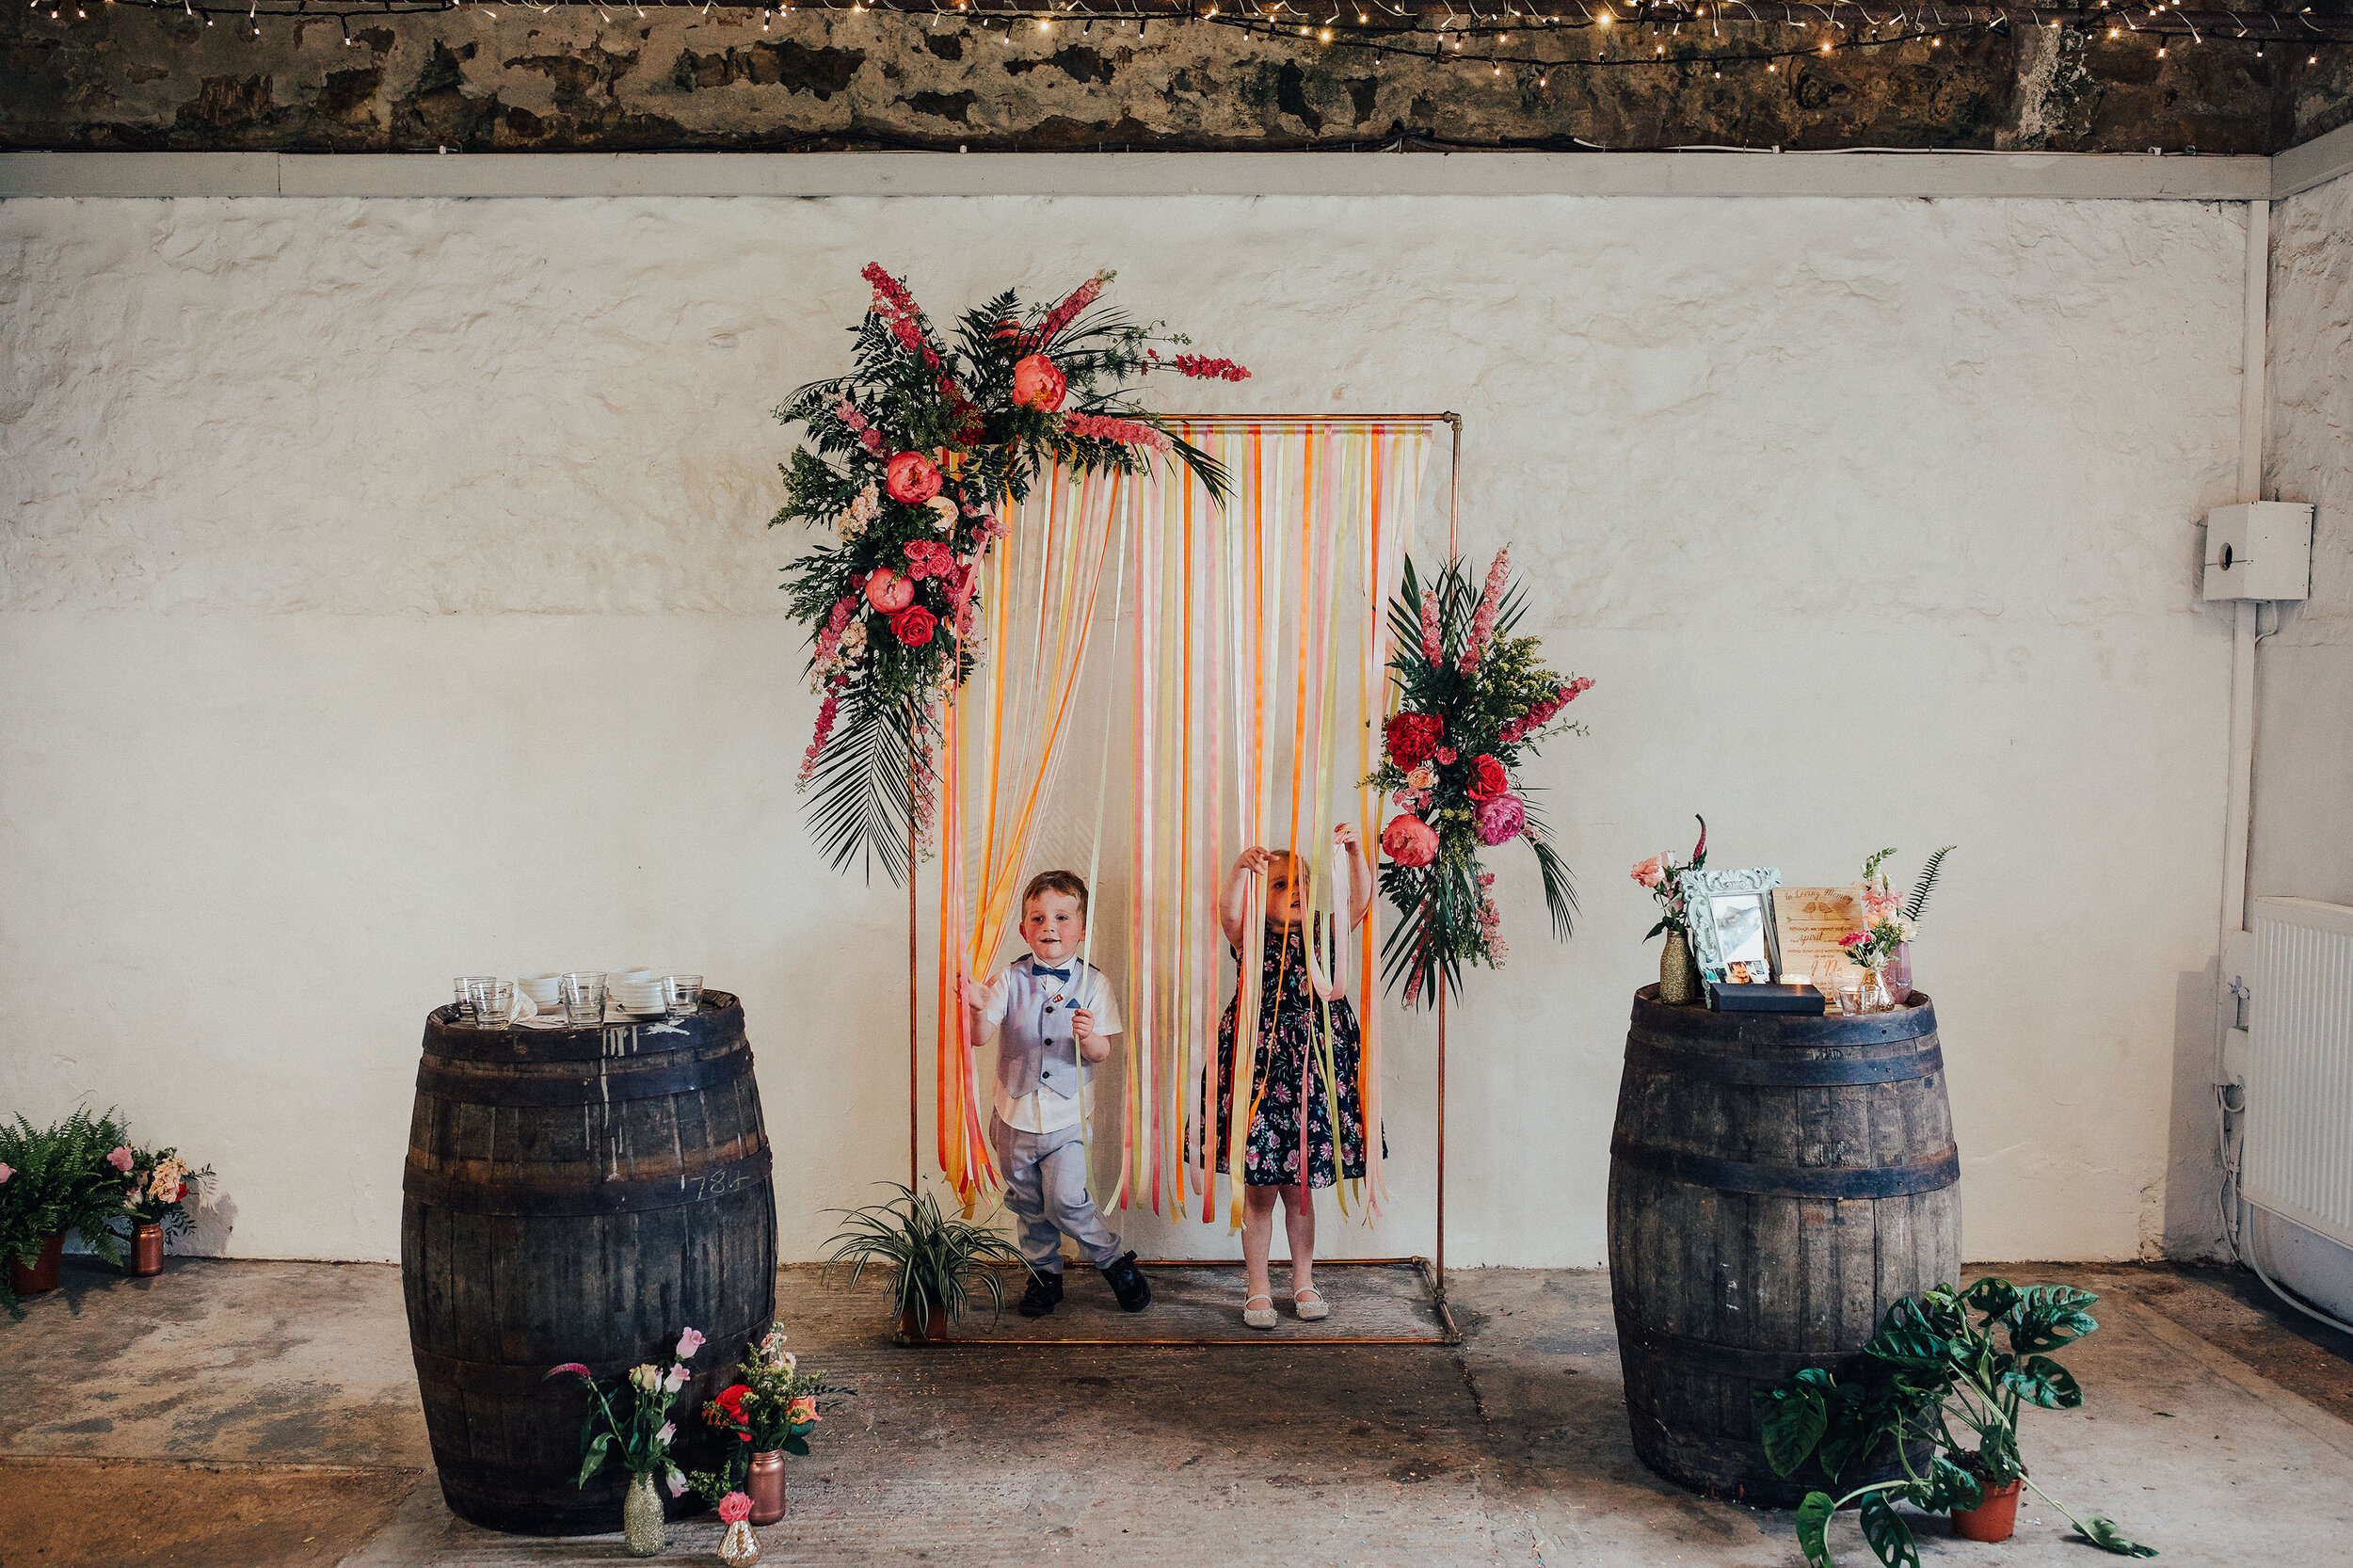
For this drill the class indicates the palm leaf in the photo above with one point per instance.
(861, 790)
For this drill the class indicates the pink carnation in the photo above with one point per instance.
(1499, 819)
(120, 1157)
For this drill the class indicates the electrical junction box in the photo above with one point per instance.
(2261, 549)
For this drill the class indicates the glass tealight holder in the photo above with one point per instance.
(681, 994)
(462, 1011)
(583, 991)
(493, 1002)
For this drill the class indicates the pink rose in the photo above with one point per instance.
(1488, 779)
(688, 1343)
(1409, 841)
(1036, 384)
(1651, 873)
(119, 1158)
(888, 591)
(911, 478)
(734, 1509)
(6, 1170)
(1497, 819)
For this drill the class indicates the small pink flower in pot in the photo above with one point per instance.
(688, 1343)
(1410, 841)
(119, 1158)
(911, 478)
(734, 1509)
(888, 591)
(6, 1170)
(1497, 820)
(1036, 384)
(1651, 873)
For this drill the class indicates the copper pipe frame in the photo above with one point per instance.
(1450, 1335)
(1434, 1272)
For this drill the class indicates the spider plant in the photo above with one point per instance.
(939, 1262)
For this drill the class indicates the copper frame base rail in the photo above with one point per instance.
(1449, 1334)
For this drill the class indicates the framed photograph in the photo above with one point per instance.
(1732, 924)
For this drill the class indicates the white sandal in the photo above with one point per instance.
(1257, 1317)
(1310, 1311)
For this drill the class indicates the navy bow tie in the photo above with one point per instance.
(1041, 971)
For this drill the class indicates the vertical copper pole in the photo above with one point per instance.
(915, 1082)
(1453, 529)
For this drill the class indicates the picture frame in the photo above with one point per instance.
(1730, 916)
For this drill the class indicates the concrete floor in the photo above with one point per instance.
(261, 1415)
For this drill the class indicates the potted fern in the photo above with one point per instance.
(1883, 917)
(1928, 1371)
(54, 1180)
(939, 1263)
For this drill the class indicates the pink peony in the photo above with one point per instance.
(689, 1342)
(1497, 819)
(734, 1509)
(119, 1158)
(1488, 779)
(911, 478)
(1036, 384)
(888, 591)
(914, 625)
(1409, 841)
(1651, 873)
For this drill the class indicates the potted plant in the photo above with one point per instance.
(1678, 970)
(158, 1187)
(52, 1181)
(934, 1259)
(638, 1434)
(770, 1413)
(1931, 1368)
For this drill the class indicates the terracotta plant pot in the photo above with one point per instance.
(1990, 1520)
(936, 1329)
(43, 1275)
(146, 1249)
(763, 1484)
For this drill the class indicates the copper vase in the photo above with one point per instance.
(764, 1485)
(43, 1275)
(146, 1248)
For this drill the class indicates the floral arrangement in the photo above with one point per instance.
(773, 1406)
(160, 1186)
(55, 1179)
(639, 1431)
(1474, 702)
(1887, 924)
(912, 457)
(1663, 875)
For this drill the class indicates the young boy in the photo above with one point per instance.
(1054, 1017)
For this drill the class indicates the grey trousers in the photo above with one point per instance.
(1045, 1188)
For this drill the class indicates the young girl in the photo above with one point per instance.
(1288, 1081)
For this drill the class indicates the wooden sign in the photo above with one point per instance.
(1810, 921)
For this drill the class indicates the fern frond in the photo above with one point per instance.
(1918, 902)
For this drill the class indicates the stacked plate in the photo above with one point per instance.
(636, 992)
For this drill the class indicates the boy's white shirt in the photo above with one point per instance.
(1043, 1111)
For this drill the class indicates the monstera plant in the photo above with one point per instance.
(1947, 1375)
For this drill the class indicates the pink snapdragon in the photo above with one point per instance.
(825, 716)
(1483, 619)
(1126, 432)
(900, 312)
(868, 437)
(1068, 311)
(1542, 714)
(1431, 649)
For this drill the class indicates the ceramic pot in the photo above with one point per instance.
(765, 1484)
(936, 1329)
(146, 1248)
(739, 1547)
(641, 1516)
(43, 1275)
(1990, 1520)
(1899, 975)
(1679, 974)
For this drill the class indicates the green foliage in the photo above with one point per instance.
(60, 1181)
(1871, 866)
(939, 1262)
(1917, 904)
(1969, 1358)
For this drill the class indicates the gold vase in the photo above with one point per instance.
(641, 1516)
(1678, 976)
(739, 1547)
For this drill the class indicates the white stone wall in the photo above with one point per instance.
(386, 596)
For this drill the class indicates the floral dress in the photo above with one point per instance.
(1288, 1075)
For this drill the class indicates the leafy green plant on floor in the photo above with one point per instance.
(59, 1179)
(935, 1260)
(1930, 1369)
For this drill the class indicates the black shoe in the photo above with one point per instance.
(1127, 1283)
(1042, 1297)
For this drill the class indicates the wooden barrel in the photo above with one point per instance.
(576, 1194)
(1776, 1183)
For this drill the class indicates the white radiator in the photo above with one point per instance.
(2298, 1161)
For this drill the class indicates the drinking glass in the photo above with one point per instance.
(684, 993)
(583, 991)
(1851, 996)
(494, 1001)
(463, 1012)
